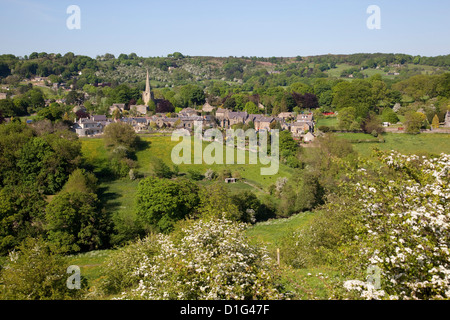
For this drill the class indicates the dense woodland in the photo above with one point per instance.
(51, 204)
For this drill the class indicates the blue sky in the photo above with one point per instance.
(225, 28)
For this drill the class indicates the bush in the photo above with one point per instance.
(195, 175)
(204, 260)
(120, 134)
(162, 170)
(116, 275)
(35, 272)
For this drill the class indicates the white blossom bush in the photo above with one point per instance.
(401, 225)
(205, 260)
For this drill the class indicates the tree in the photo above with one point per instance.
(191, 95)
(164, 106)
(372, 124)
(215, 202)
(251, 108)
(75, 221)
(369, 227)
(388, 115)
(307, 100)
(435, 123)
(346, 119)
(81, 180)
(7, 107)
(162, 202)
(357, 94)
(162, 170)
(251, 208)
(414, 121)
(75, 97)
(40, 165)
(301, 193)
(4, 70)
(120, 134)
(53, 112)
(289, 149)
(300, 88)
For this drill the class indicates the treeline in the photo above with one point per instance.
(62, 68)
(372, 60)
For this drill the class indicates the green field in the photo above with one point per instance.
(118, 195)
(425, 143)
(327, 121)
(272, 231)
(161, 147)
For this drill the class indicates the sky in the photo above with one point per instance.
(262, 28)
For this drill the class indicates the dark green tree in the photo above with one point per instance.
(162, 202)
(75, 222)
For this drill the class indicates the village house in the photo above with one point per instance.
(207, 107)
(305, 117)
(299, 128)
(286, 115)
(263, 123)
(138, 123)
(117, 106)
(283, 124)
(236, 117)
(139, 109)
(254, 117)
(221, 114)
(87, 127)
(309, 137)
(188, 112)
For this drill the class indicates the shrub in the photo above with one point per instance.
(116, 271)
(120, 134)
(195, 175)
(204, 260)
(35, 272)
(162, 170)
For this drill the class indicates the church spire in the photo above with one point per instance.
(147, 94)
(147, 84)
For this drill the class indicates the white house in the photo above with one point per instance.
(87, 127)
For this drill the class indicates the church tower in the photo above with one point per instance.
(147, 95)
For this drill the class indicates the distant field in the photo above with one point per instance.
(432, 143)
